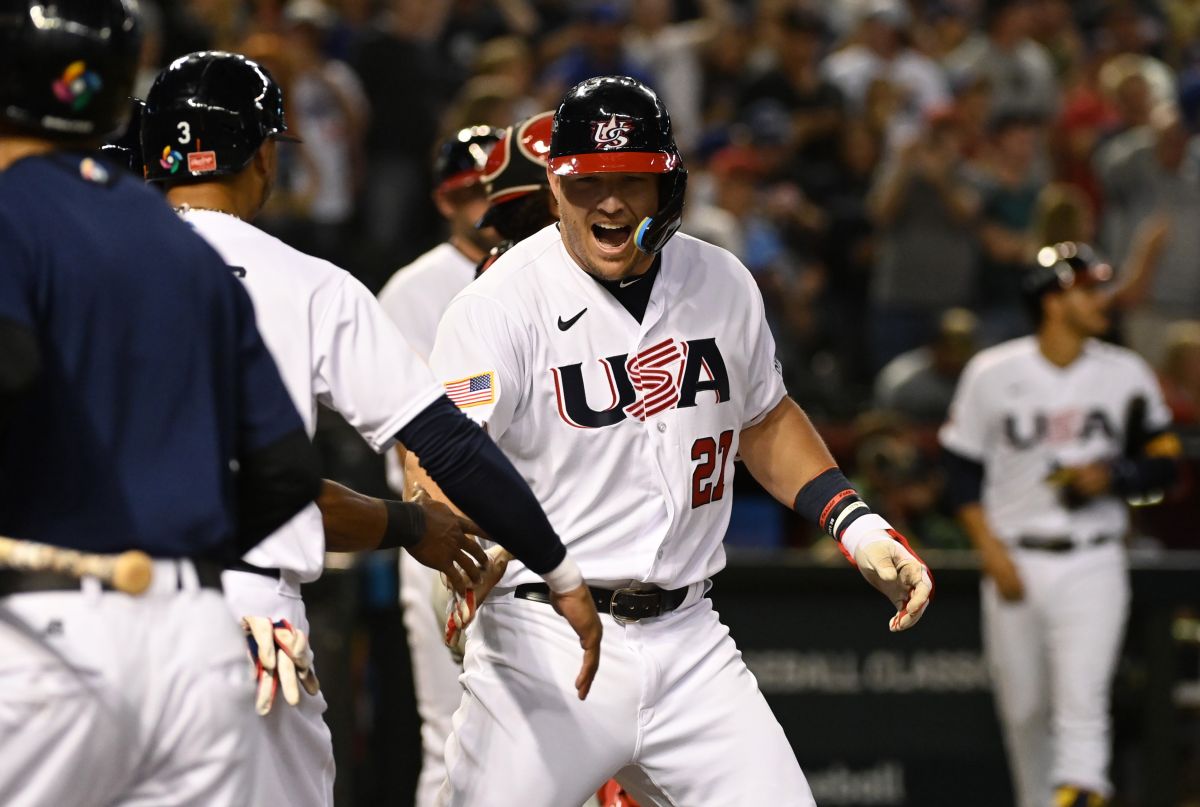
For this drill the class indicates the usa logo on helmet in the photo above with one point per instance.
(612, 133)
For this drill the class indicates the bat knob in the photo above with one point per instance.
(132, 572)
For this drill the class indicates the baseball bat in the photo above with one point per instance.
(128, 572)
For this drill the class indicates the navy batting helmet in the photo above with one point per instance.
(462, 156)
(618, 124)
(67, 66)
(1063, 266)
(207, 114)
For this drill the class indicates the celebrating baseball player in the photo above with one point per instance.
(1047, 437)
(133, 382)
(209, 135)
(622, 368)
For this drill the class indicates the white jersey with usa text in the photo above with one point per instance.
(625, 431)
(333, 345)
(1023, 417)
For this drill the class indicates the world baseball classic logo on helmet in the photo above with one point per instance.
(612, 133)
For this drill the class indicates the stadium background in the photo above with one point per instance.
(828, 142)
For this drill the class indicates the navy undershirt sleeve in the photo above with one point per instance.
(480, 480)
(964, 480)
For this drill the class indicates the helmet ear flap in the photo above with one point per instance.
(655, 231)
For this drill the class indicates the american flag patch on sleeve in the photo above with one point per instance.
(475, 390)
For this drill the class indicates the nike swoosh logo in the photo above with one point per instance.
(625, 283)
(565, 324)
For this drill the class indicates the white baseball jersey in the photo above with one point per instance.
(415, 298)
(417, 294)
(334, 345)
(1022, 417)
(625, 431)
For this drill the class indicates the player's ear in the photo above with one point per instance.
(443, 204)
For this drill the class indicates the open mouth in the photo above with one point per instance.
(611, 236)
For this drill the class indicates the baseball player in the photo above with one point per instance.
(209, 135)
(627, 366)
(482, 176)
(133, 382)
(1047, 436)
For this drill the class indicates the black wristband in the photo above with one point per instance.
(830, 501)
(405, 524)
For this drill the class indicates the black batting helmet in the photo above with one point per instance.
(207, 114)
(126, 150)
(1063, 266)
(67, 66)
(461, 157)
(618, 124)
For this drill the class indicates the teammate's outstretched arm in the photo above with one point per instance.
(474, 474)
(429, 530)
(786, 455)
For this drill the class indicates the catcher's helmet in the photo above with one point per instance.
(618, 124)
(517, 165)
(207, 114)
(462, 156)
(67, 66)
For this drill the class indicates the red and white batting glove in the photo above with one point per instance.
(885, 559)
(282, 659)
(457, 612)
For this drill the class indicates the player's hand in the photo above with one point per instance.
(282, 659)
(456, 611)
(578, 608)
(447, 545)
(889, 564)
(1091, 480)
(997, 564)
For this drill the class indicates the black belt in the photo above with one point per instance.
(623, 605)
(243, 566)
(1061, 543)
(14, 581)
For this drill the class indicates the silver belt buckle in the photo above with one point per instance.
(612, 602)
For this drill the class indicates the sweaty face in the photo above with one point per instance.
(599, 215)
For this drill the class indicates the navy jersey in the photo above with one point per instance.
(154, 379)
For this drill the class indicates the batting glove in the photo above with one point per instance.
(282, 659)
(889, 564)
(456, 611)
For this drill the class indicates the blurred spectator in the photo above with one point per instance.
(483, 99)
(724, 66)
(329, 111)
(1159, 176)
(1127, 31)
(1180, 372)
(1018, 69)
(671, 53)
(1084, 120)
(893, 467)
(924, 206)
(407, 80)
(795, 86)
(474, 22)
(598, 50)
(510, 58)
(920, 384)
(880, 51)
(1008, 183)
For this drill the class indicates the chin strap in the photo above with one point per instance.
(654, 231)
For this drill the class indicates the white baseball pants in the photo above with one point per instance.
(674, 713)
(435, 675)
(1052, 657)
(296, 758)
(118, 701)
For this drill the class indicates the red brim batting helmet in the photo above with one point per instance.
(616, 124)
(462, 156)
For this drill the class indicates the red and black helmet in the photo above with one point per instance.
(616, 124)
(517, 165)
(461, 157)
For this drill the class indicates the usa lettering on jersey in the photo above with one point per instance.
(667, 375)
